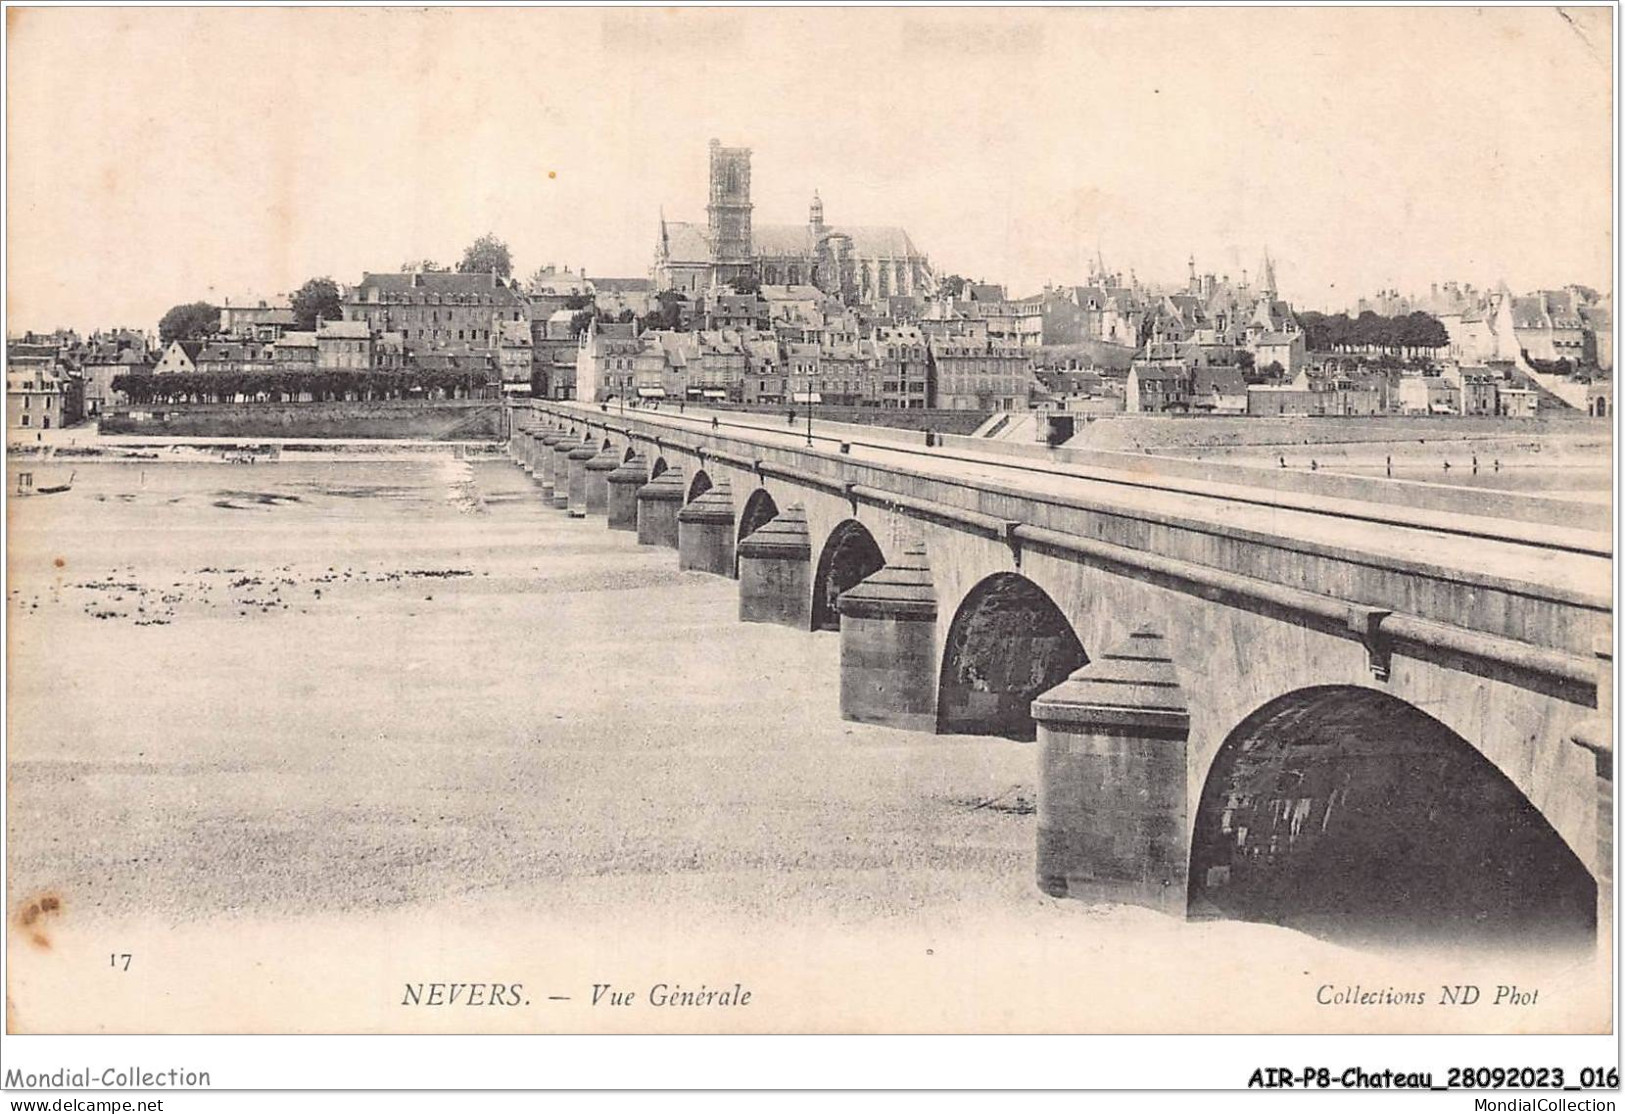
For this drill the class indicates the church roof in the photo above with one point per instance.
(770, 240)
(686, 242)
(884, 241)
(690, 241)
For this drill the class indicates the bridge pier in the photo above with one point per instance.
(578, 457)
(622, 500)
(705, 532)
(598, 470)
(562, 448)
(545, 460)
(659, 500)
(889, 646)
(1111, 780)
(775, 572)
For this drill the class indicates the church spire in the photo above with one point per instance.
(1266, 275)
(815, 216)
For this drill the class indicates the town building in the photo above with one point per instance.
(903, 368)
(221, 356)
(1015, 323)
(295, 351)
(1157, 386)
(437, 309)
(971, 374)
(554, 288)
(606, 358)
(1218, 390)
(514, 356)
(41, 398)
(616, 296)
(99, 372)
(765, 380)
(178, 357)
(262, 321)
(1519, 402)
(1548, 326)
(1285, 350)
(344, 345)
(1477, 390)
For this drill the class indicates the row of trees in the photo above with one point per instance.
(300, 386)
(1411, 334)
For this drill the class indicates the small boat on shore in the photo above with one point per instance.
(25, 485)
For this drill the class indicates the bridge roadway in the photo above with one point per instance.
(1568, 560)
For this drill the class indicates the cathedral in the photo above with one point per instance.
(855, 263)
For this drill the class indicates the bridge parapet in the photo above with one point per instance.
(1538, 630)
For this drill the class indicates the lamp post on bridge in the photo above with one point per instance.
(810, 397)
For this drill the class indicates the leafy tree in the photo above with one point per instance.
(485, 255)
(578, 301)
(745, 284)
(192, 321)
(670, 313)
(318, 298)
(416, 266)
(952, 285)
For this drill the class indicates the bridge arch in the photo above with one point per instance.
(1352, 815)
(631, 451)
(760, 509)
(850, 556)
(658, 467)
(699, 485)
(1008, 643)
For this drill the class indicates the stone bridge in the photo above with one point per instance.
(1347, 715)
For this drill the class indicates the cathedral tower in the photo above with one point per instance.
(729, 210)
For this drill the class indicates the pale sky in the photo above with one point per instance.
(168, 155)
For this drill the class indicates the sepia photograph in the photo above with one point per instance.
(809, 520)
